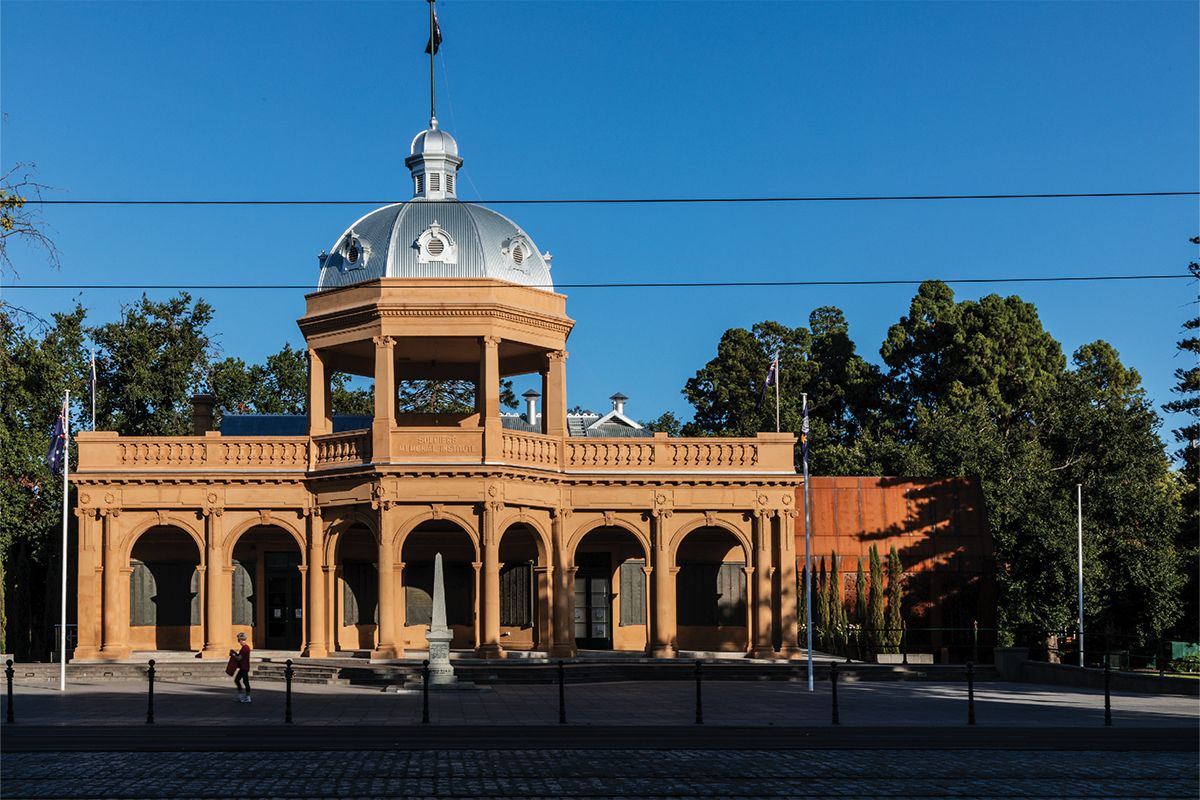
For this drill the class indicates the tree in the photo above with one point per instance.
(875, 622)
(666, 423)
(860, 596)
(149, 365)
(895, 596)
(822, 608)
(20, 220)
(1187, 386)
(837, 606)
(36, 368)
(447, 396)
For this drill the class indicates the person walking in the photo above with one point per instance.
(242, 679)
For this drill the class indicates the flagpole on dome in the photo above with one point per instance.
(435, 40)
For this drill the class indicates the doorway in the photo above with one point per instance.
(285, 614)
(593, 602)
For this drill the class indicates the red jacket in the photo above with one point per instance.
(244, 658)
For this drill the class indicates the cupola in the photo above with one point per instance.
(434, 163)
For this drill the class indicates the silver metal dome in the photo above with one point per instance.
(421, 239)
(434, 141)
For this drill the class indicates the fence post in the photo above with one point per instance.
(833, 689)
(425, 691)
(970, 692)
(699, 701)
(150, 696)
(858, 643)
(974, 640)
(562, 695)
(904, 642)
(8, 673)
(287, 679)
(1107, 695)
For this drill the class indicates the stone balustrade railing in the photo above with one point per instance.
(765, 453)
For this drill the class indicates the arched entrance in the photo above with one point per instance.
(268, 593)
(609, 610)
(164, 591)
(460, 579)
(355, 611)
(524, 590)
(711, 593)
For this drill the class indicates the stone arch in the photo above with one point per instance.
(165, 521)
(583, 530)
(541, 535)
(343, 523)
(469, 527)
(238, 531)
(742, 537)
(417, 551)
(165, 565)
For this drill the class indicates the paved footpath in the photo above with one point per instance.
(759, 740)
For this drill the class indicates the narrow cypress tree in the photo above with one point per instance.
(895, 595)
(860, 609)
(875, 621)
(822, 607)
(837, 607)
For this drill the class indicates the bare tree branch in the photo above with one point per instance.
(21, 219)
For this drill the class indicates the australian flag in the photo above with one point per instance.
(435, 38)
(58, 445)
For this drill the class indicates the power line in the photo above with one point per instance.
(619, 285)
(625, 200)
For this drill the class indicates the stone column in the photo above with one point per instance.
(488, 390)
(749, 573)
(762, 585)
(489, 646)
(563, 631)
(554, 394)
(543, 630)
(320, 419)
(314, 613)
(789, 607)
(386, 646)
(477, 639)
(90, 576)
(114, 643)
(663, 624)
(385, 399)
(218, 611)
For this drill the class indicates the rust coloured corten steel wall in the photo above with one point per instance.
(938, 526)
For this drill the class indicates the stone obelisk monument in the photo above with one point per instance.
(439, 634)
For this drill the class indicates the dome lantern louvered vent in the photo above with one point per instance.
(518, 254)
(436, 246)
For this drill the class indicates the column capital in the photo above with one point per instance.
(556, 355)
(385, 342)
(490, 341)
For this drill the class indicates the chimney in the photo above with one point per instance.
(618, 401)
(531, 406)
(202, 414)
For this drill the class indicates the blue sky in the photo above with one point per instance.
(554, 99)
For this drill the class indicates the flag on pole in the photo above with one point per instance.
(92, 379)
(804, 434)
(435, 35)
(771, 380)
(58, 444)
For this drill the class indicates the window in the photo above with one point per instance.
(712, 594)
(435, 183)
(360, 605)
(516, 595)
(633, 592)
(164, 593)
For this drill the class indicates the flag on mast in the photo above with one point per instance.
(92, 379)
(435, 32)
(55, 456)
(804, 434)
(772, 378)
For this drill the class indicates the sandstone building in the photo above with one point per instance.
(558, 533)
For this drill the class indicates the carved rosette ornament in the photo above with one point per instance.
(213, 505)
(662, 505)
(379, 502)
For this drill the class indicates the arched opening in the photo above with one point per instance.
(524, 590)
(610, 610)
(356, 590)
(268, 593)
(459, 579)
(711, 592)
(164, 591)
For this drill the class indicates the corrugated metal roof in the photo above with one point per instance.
(389, 235)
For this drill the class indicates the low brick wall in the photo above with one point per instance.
(1090, 678)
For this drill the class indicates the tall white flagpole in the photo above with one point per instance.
(1079, 509)
(92, 378)
(807, 547)
(62, 646)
